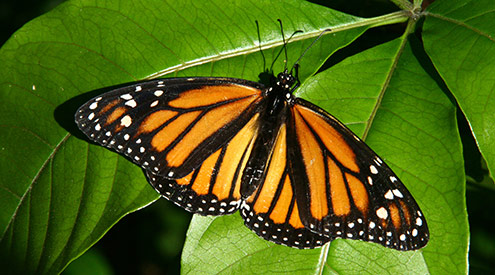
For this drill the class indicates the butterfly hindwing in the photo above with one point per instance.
(214, 187)
(350, 192)
(271, 211)
(170, 126)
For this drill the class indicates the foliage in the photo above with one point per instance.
(61, 194)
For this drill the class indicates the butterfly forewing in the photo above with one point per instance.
(170, 126)
(350, 192)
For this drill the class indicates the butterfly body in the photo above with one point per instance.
(278, 98)
(217, 145)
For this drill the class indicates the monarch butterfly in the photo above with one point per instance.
(214, 145)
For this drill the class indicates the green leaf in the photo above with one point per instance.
(60, 194)
(225, 246)
(459, 37)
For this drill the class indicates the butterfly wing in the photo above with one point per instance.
(195, 136)
(343, 189)
(170, 126)
(271, 211)
(213, 188)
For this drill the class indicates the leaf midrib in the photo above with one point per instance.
(35, 178)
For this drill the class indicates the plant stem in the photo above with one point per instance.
(404, 39)
(387, 19)
(403, 4)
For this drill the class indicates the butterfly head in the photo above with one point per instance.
(285, 81)
(282, 87)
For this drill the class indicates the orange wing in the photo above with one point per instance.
(213, 188)
(213, 145)
(170, 126)
(272, 211)
(343, 189)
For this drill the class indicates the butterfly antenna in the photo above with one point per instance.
(285, 44)
(309, 47)
(259, 43)
(284, 47)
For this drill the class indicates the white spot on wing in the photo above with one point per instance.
(389, 195)
(126, 96)
(131, 103)
(397, 193)
(93, 105)
(370, 180)
(126, 121)
(382, 213)
(158, 93)
(373, 169)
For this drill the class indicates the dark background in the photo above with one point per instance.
(150, 241)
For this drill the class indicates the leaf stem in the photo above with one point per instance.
(418, 4)
(387, 19)
(409, 29)
(403, 4)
